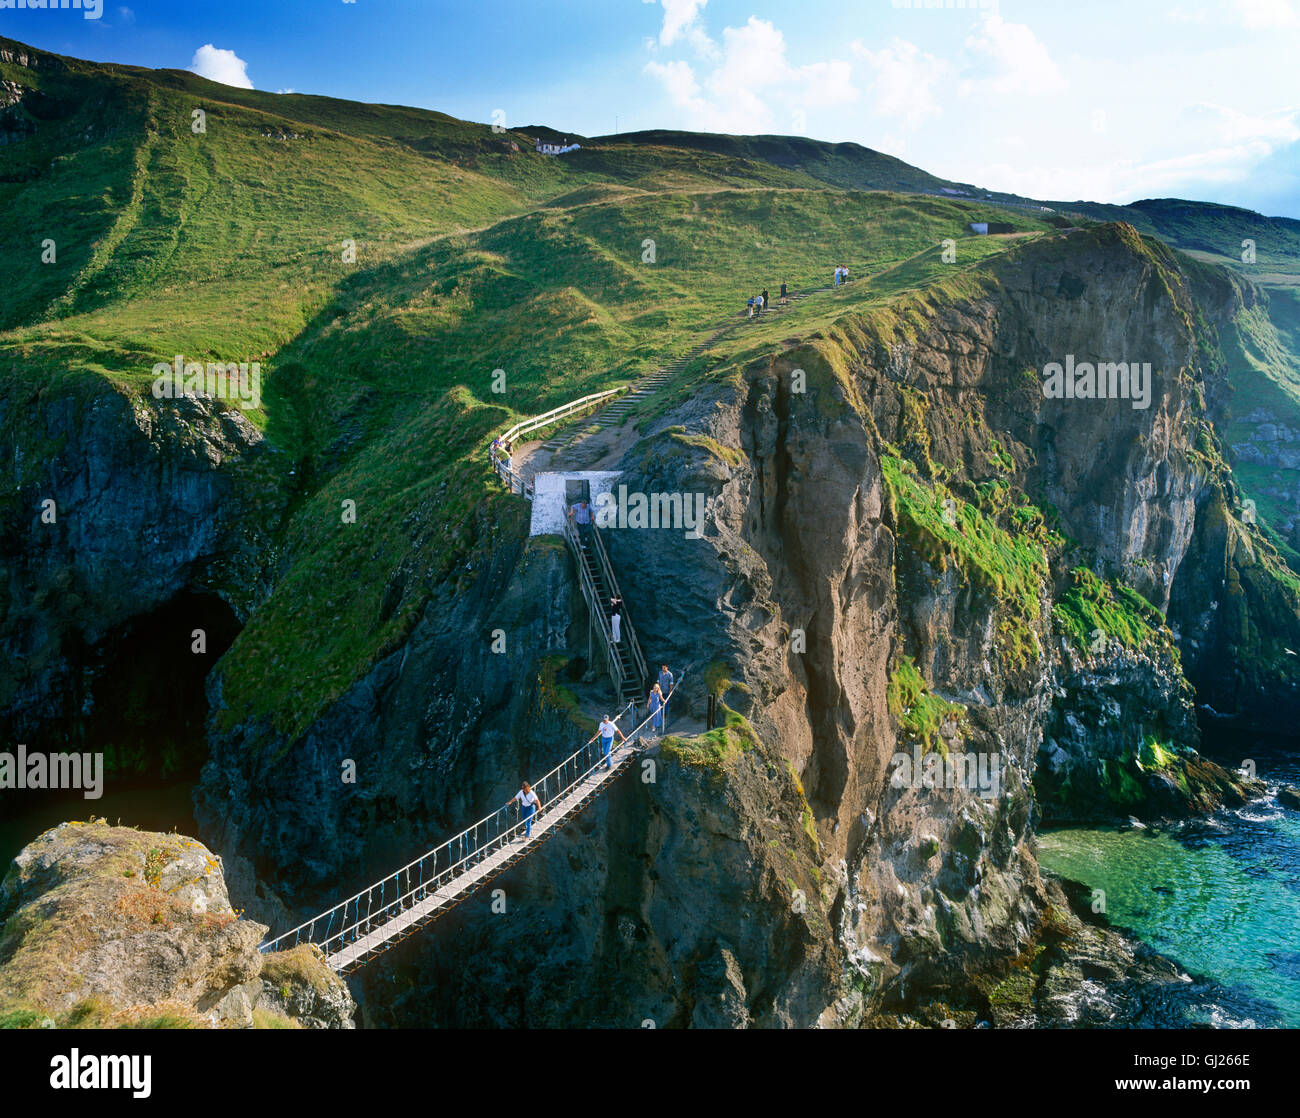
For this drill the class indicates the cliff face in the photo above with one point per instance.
(911, 555)
(116, 506)
(909, 550)
(104, 926)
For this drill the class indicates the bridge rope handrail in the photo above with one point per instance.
(468, 854)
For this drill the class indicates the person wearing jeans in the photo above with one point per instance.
(529, 805)
(607, 732)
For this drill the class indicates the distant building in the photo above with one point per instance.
(980, 227)
(986, 227)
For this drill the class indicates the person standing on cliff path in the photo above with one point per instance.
(785, 295)
(615, 625)
(607, 732)
(529, 805)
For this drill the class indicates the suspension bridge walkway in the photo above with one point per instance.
(383, 914)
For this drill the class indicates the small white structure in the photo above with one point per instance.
(549, 507)
(981, 227)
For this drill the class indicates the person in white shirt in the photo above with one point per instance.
(529, 805)
(607, 732)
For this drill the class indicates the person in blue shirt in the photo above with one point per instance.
(665, 689)
(656, 702)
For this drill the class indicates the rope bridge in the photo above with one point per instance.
(356, 930)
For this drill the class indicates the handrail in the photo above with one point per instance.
(561, 412)
(607, 569)
(514, 480)
(593, 604)
(413, 893)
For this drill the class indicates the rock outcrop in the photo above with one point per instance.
(106, 926)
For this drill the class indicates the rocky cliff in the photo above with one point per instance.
(910, 551)
(122, 509)
(915, 566)
(108, 926)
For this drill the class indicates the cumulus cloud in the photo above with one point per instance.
(903, 80)
(1008, 58)
(682, 24)
(222, 66)
(751, 85)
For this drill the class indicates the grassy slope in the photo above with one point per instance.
(471, 256)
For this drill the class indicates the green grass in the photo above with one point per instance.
(919, 712)
(1092, 605)
(473, 254)
(947, 530)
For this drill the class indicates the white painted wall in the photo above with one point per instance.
(548, 499)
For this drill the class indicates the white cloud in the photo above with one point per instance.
(682, 22)
(1260, 15)
(1008, 58)
(222, 66)
(1219, 123)
(903, 80)
(753, 87)
(678, 80)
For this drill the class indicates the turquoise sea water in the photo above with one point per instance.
(1220, 896)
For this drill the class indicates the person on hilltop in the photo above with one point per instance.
(750, 304)
(529, 805)
(606, 733)
(785, 297)
(764, 298)
(836, 281)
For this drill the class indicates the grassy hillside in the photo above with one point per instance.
(472, 253)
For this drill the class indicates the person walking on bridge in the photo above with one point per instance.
(607, 732)
(656, 704)
(529, 805)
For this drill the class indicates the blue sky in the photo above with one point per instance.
(1109, 100)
